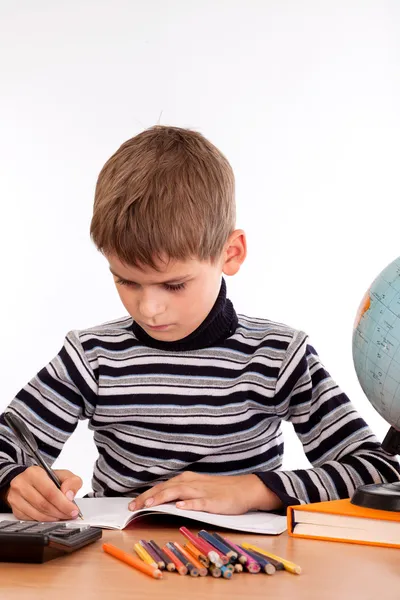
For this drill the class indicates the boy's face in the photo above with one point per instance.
(171, 303)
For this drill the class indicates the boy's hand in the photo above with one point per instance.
(228, 495)
(34, 497)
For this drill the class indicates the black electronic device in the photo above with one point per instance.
(33, 542)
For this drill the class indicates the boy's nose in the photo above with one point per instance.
(150, 308)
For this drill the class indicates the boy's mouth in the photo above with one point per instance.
(157, 327)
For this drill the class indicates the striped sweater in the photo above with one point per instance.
(157, 409)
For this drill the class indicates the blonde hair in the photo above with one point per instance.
(167, 192)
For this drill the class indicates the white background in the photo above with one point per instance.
(303, 98)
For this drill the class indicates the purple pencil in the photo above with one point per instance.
(157, 559)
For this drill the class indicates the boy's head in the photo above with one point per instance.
(164, 211)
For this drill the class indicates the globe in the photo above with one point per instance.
(376, 344)
(376, 357)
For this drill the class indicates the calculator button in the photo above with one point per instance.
(64, 533)
(6, 525)
(21, 526)
(44, 527)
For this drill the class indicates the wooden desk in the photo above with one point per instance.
(331, 571)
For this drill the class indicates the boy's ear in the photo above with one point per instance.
(235, 252)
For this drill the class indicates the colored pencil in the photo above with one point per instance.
(202, 545)
(197, 564)
(193, 572)
(180, 567)
(238, 567)
(213, 554)
(220, 548)
(160, 563)
(197, 554)
(278, 565)
(228, 550)
(132, 561)
(144, 555)
(226, 572)
(241, 557)
(263, 561)
(167, 561)
(251, 565)
(214, 570)
(289, 566)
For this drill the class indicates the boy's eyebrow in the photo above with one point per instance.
(170, 281)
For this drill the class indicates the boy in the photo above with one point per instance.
(185, 398)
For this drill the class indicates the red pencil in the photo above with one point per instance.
(180, 567)
(203, 546)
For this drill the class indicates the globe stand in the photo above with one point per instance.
(381, 496)
(391, 443)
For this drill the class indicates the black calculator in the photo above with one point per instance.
(33, 542)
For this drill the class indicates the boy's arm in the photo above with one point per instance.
(338, 443)
(51, 405)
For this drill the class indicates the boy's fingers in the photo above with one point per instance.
(140, 500)
(182, 479)
(25, 511)
(202, 504)
(178, 492)
(69, 481)
(70, 487)
(50, 492)
(32, 497)
(218, 505)
(36, 488)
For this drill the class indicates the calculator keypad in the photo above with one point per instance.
(58, 536)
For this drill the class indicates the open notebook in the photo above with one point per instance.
(113, 513)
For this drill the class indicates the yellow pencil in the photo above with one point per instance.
(289, 566)
(144, 555)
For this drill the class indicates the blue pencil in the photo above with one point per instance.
(226, 572)
(225, 548)
(277, 564)
(216, 544)
(190, 566)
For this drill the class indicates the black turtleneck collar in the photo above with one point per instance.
(220, 323)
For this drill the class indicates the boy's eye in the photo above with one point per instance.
(174, 288)
(123, 282)
(170, 287)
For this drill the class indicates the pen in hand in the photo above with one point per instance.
(28, 443)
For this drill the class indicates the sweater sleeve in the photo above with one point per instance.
(51, 405)
(338, 443)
